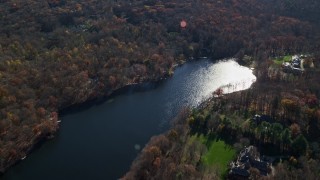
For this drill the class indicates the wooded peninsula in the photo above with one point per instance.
(57, 54)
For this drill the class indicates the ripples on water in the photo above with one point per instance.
(102, 141)
(203, 81)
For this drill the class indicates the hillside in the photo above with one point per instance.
(57, 54)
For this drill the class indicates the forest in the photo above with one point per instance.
(56, 54)
(289, 105)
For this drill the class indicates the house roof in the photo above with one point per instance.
(239, 171)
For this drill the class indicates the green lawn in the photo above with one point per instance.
(219, 155)
(282, 59)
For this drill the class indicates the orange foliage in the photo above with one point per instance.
(41, 112)
(62, 57)
(157, 162)
(295, 130)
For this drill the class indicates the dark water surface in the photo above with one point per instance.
(101, 142)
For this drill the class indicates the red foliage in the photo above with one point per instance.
(57, 56)
(218, 92)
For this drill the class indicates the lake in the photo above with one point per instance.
(101, 141)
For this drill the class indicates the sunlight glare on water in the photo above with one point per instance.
(226, 74)
(101, 142)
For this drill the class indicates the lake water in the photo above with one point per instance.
(101, 141)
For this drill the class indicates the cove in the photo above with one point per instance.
(101, 141)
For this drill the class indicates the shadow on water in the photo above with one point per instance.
(100, 139)
(126, 90)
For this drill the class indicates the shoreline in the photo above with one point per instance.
(143, 85)
(70, 55)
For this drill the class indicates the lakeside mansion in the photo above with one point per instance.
(247, 161)
(295, 66)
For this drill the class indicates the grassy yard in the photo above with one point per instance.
(282, 59)
(219, 155)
